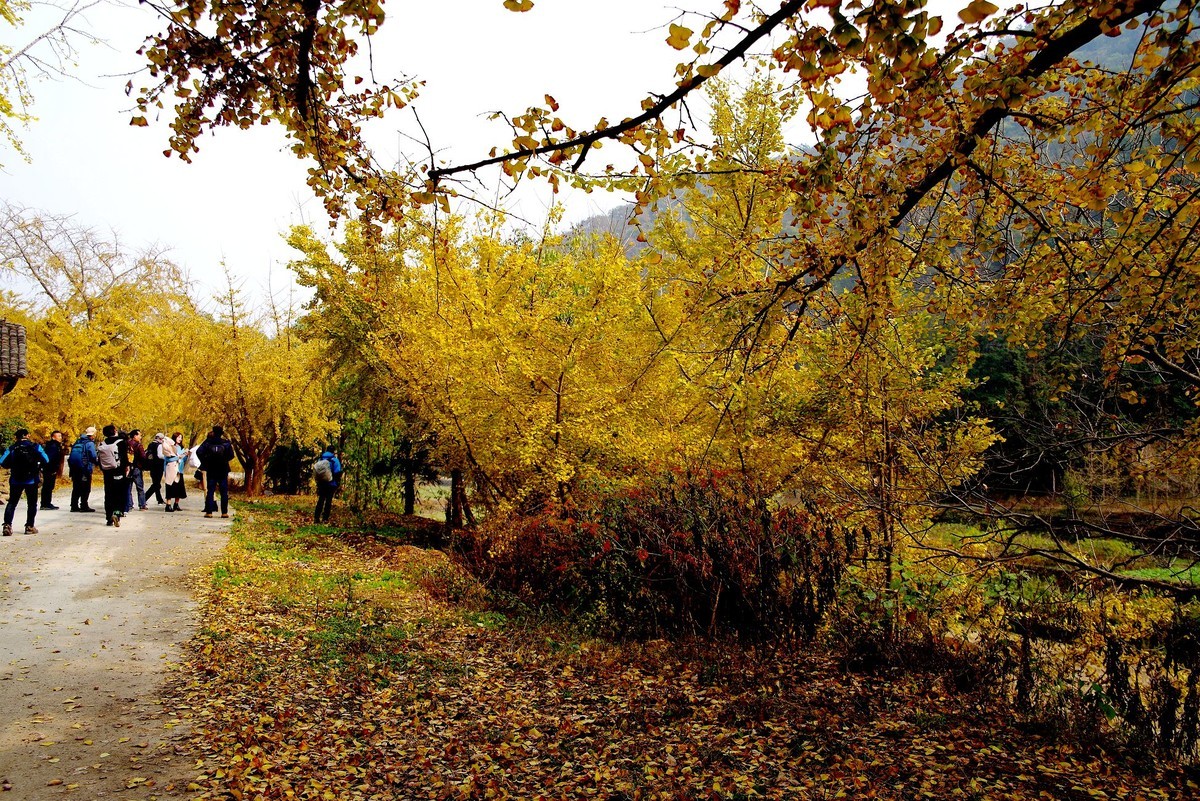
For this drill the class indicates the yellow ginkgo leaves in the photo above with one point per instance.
(518, 5)
(978, 11)
(680, 37)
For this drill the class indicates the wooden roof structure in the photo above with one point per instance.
(13, 365)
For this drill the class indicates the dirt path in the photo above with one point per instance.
(91, 619)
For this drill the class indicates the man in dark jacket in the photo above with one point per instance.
(24, 460)
(80, 463)
(113, 457)
(154, 462)
(215, 454)
(53, 469)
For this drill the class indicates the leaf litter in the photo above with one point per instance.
(330, 665)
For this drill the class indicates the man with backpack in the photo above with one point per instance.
(113, 457)
(24, 460)
(327, 470)
(215, 454)
(80, 463)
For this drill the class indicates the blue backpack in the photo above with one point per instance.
(75, 459)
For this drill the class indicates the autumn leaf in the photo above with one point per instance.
(977, 11)
(679, 36)
(316, 693)
(518, 5)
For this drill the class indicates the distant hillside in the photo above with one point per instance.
(620, 223)
(1115, 53)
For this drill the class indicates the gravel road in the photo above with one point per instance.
(91, 623)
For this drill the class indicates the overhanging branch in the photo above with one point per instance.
(586, 141)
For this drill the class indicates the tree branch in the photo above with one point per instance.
(738, 51)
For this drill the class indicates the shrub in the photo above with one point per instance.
(447, 582)
(678, 553)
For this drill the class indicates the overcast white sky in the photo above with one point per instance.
(243, 189)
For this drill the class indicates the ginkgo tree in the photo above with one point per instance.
(553, 362)
(535, 360)
(853, 399)
(257, 379)
(356, 288)
(115, 337)
(956, 132)
(27, 54)
(102, 323)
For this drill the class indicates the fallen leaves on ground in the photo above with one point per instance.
(324, 670)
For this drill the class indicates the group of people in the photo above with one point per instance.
(123, 461)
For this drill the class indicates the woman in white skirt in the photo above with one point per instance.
(174, 457)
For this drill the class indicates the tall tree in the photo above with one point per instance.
(260, 385)
(383, 432)
(102, 324)
(535, 361)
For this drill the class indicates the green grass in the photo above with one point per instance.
(486, 619)
(1175, 572)
(1104, 551)
(390, 580)
(225, 576)
(1100, 551)
(262, 505)
(949, 535)
(342, 638)
(342, 609)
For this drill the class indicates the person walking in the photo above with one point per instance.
(327, 470)
(174, 464)
(53, 468)
(215, 454)
(80, 463)
(137, 467)
(154, 462)
(24, 460)
(113, 458)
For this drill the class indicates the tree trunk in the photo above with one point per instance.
(256, 470)
(455, 518)
(410, 492)
(254, 479)
(466, 507)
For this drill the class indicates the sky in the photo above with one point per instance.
(243, 190)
